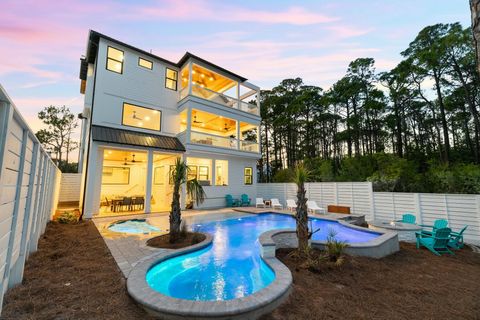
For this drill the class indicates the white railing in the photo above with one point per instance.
(220, 98)
(29, 187)
(213, 140)
(250, 146)
(458, 209)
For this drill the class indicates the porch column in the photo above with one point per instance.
(148, 188)
(238, 135)
(183, 195)
(190, 84)
(189, 126)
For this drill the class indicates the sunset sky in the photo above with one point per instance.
(266, 41)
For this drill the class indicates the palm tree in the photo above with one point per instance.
(300, 176)
(194, 191)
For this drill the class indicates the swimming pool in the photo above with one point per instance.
(231, 267)
(133, 226)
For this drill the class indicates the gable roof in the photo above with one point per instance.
(92, 50)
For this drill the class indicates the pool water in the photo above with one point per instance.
(133, 226)
(231, 267)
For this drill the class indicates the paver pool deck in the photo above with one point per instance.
(130, 249)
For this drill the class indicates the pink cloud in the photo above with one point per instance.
(202, 10)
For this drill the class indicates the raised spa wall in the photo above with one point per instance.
(382, 246)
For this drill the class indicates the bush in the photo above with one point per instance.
(334, 248)
(284, 175)
(68, 217)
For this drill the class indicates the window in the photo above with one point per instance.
(114, 60)
(171, 79)
(248, 175)
(203, 173)
(140, 117)
(192, 172)
(115, 175)
(159, 175)
(147, 64)
(221, 173)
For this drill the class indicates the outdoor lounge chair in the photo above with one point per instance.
(408, 218)
(230, 201)
(291, 205)
(456, 239)
(276, 204)
(438, 224)
(245, 200)
(259, 203)
(437, 243)
(313, 207)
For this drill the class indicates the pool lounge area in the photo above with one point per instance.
(238, 243)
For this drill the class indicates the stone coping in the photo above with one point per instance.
(166, 307)
(398, 226)
(385, 244)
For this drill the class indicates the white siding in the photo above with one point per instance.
(24, 166)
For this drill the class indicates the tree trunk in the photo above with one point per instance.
(302, 218)
(446, 138)
(175, 214)
(475, 10)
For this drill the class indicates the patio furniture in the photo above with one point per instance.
(245, 200)
(312, 207)
(438, 224)
(276, 204)
(338, 209)
(126, 202)
(408, 218)
(109, 204)
(291, 205)
(437, 243)
(456, 239)
(259, 203)
(230, 201)
(138, 203)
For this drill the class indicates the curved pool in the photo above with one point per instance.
(231, 267)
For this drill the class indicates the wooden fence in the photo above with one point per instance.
(29, 184)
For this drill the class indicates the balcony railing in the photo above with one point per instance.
(217, 97)
(219, 141)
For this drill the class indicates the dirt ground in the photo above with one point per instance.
(163, 241)
(73, 276)
(411, 284)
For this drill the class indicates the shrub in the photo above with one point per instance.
(68, 217)
(334, 248)
(284, 175)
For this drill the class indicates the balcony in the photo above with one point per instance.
(208, 139)
(208, 85)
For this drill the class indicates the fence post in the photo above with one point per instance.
(478, 218)
(372, 201)
(336, 193)
(418, 211)
(16, 208)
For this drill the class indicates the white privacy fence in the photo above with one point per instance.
(70, 187)
(29, 184)
(458, 209)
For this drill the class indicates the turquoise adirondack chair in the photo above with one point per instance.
(456, 239)
(437, 243)
(245, 200)
(230, 201)
(408, 218)
(438, 224)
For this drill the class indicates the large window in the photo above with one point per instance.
(248, 175)
(171, 79)
(140, 117)
(221, 173)
(147, 64)
(115, 60)
(200, 169)
(115, 175)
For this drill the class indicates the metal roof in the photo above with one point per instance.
(133, 138)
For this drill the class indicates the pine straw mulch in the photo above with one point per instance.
(71, 276)
(411, 284)
(186, 240)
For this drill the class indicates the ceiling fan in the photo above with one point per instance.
(195, 119)
(133, 161)
(134, 116)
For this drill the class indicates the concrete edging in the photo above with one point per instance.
(165, 307)
(382, 246)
